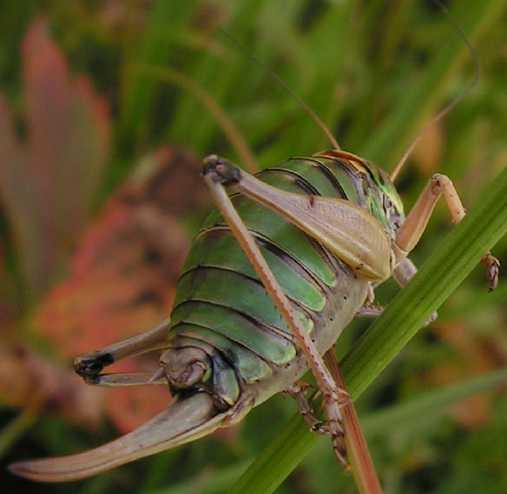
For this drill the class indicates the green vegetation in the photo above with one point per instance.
(375, 72)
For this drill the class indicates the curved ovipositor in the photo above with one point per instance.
(185, 420)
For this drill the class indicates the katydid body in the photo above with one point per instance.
(229, 345)
(221, 300)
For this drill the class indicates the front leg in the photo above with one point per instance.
(413, 227)
(90, 365)
(370, 310)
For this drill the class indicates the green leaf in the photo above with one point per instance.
(429, 405)
(15, 429)
(404, 121)
(207, 482)
(155, 48)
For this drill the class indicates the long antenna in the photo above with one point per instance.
(316, 119)
(451, 105)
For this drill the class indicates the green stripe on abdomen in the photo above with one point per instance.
(219, 298)
(236, 291)
(218, 248)
(231, 324)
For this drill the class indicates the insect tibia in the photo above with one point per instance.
(220, 170)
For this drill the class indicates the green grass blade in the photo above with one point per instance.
(429, 405)
(155, 48)
(423, 409)
(452, 261)
(209, 481)
(15, 429)
(439, 277)
(474, 18)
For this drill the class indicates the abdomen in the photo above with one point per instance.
(221, 302)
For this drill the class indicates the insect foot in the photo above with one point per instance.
(221, 170)
(492, 270)
(90, 365)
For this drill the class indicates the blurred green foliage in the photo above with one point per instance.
(375, 71)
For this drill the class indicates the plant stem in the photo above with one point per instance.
(358, 454)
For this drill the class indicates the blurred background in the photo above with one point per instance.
(107, 107)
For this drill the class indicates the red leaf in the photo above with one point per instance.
(47, 184)
(123, 276)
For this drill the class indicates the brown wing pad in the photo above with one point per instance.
(348, 231)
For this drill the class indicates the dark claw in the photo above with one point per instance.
(319, 428)
(91, 379)
(89, 366)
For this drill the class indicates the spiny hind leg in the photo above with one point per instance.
(298, 391)
(218, 173)
(90, 365)
(347, 230)
(413, 227)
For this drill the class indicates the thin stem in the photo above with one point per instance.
(358, 454)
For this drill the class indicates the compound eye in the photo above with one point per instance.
(392, 213)
(388, 204)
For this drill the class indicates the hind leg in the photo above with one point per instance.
(215, 180)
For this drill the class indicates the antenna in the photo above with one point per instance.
(452, 104)
(316, 119)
